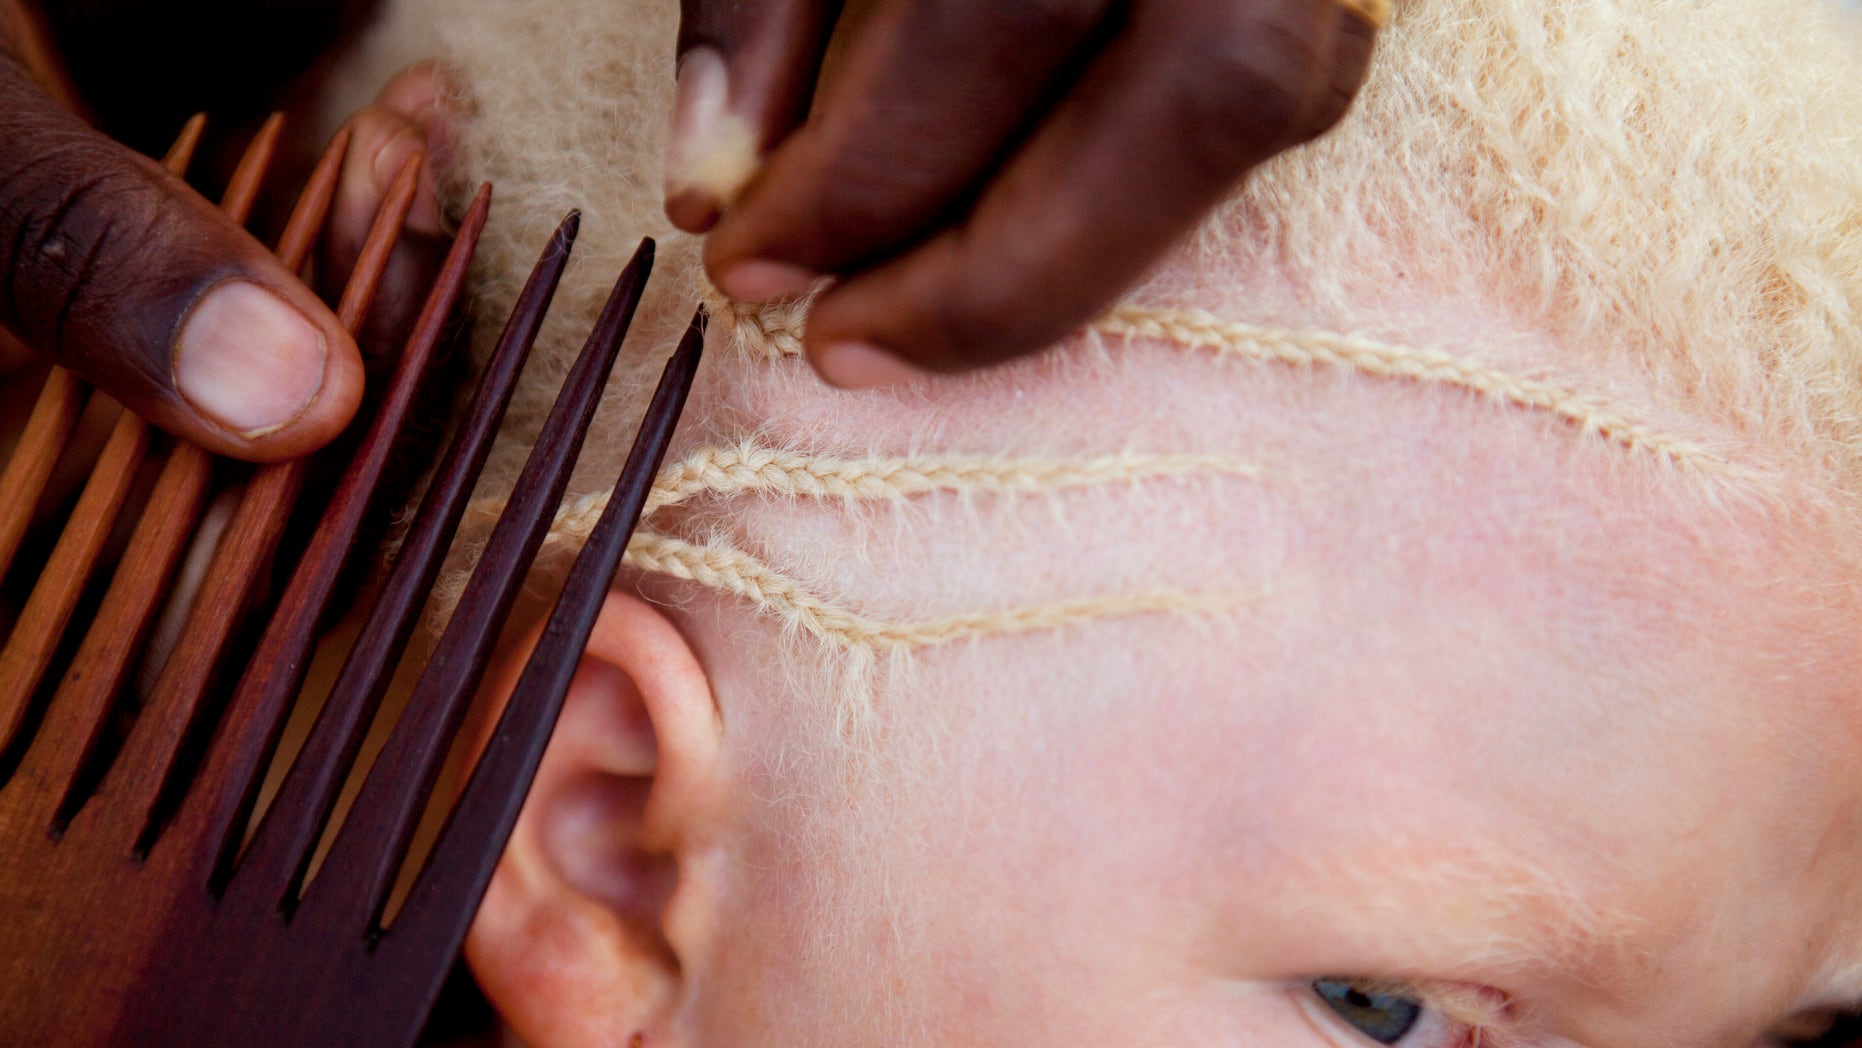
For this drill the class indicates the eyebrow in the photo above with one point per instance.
(1534, 920)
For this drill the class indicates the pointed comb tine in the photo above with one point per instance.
(313, 205)
(373, 840)
(48, 430)
(181, 154)
(282, 845)
(383, 236)
(453, 879)
(242, 190)
(230, 779)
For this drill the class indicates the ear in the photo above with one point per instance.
(569, 943)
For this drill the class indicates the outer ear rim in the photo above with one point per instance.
(639, 639)
(644, 644)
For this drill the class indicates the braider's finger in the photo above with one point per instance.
(746, 76)
(128, 277)
(928, 100)
(1164, 124)
(411, 117)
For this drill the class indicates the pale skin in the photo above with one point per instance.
(1546, 756)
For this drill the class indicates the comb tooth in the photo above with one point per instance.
(282, 845)
(102, 662)
(242, 190)
(360, 294)
(48, 610)
(453, 879)
(47, 431)
(43, 440)
(28, 651)
(181, 154)
(367, 851)
(133, 789)
(70, 725)
(313, 205)
(230, 778)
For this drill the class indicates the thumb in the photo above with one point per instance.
(122, 273)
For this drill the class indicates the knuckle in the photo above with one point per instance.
(865, 194)
(865, 200)
(63, 218)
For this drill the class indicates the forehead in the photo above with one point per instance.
(1492, 699)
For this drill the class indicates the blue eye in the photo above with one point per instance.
(1384, 1018)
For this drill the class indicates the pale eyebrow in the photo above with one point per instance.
(1534, 920)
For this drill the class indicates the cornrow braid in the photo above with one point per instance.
(1194, 328)
(723, 568)
(749, 467)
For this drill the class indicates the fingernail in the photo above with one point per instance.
(423, 215)
(248, 360)
(425, 94)
(860, 365)
(760, 280)
(711, 152)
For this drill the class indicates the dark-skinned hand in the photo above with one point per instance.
(131, 279)
(980, 176)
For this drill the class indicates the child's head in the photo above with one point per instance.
(1438, 583)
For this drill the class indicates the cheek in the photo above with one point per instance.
(872, 953)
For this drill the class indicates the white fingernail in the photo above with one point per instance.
(249, 360)
(711, 151)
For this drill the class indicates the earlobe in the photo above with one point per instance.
(568, 943)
